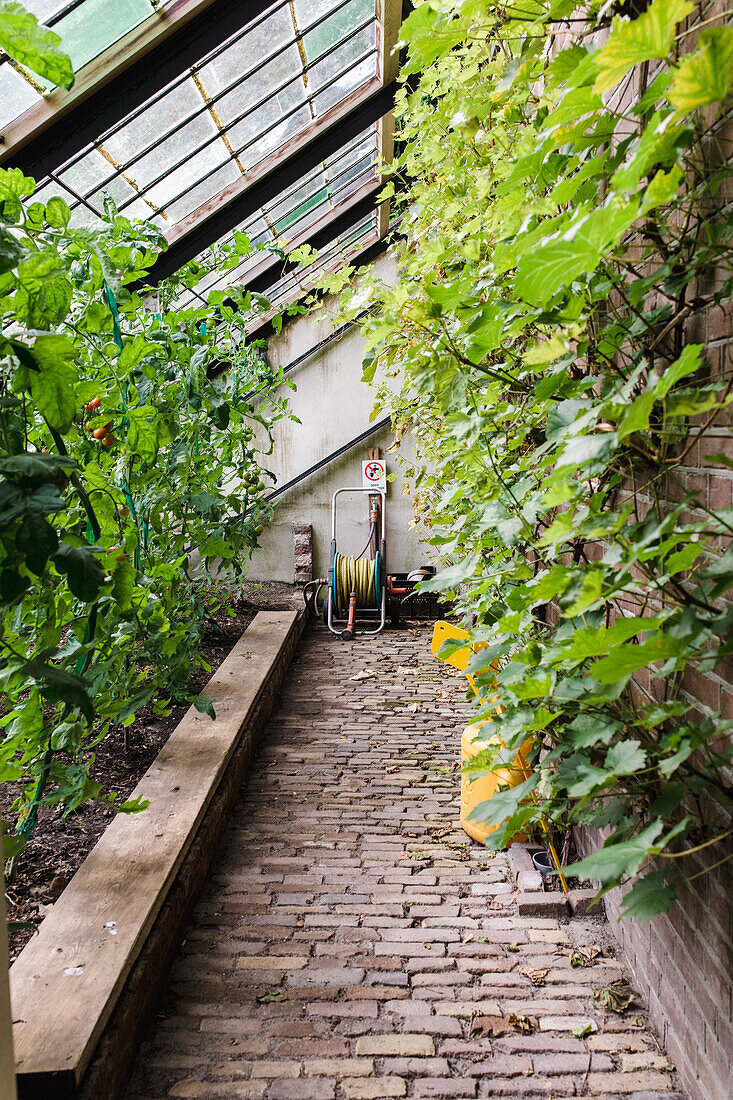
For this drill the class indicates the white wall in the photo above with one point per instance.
(333, 405)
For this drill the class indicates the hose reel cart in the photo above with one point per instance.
(358, 583)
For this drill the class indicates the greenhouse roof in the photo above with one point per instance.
(207, 117)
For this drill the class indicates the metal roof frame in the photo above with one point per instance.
(142, 65)
(132, 70)
(211, 221)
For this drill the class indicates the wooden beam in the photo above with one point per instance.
(68, 978)
(389, 15)
(122, 78)
(385, 153)
(283, 167)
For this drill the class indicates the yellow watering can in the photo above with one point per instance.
(507, 775)
(482, 789)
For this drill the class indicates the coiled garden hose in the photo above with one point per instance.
(359, 575)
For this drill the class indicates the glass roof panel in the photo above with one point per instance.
(291, 213)
(16, 94)
(86, 27)
(218, 120)
(92, 26)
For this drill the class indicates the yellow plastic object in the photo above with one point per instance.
(446, 632)
(485, 787)
(482, 789)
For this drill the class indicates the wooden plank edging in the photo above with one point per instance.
(67, 981)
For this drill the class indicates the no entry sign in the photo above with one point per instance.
(374, 473)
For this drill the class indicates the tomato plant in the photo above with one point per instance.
(127, 468)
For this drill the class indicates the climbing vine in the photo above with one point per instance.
(565, 265)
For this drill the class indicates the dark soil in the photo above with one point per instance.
(59, 846)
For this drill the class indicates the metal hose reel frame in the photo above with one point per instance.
(380, 572)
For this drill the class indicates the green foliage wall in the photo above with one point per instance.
(567, 220)
(126, 443)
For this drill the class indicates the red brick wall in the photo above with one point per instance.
(682, 962)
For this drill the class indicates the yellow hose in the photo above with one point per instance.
(355, 575)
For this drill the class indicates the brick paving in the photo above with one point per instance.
(352, 941)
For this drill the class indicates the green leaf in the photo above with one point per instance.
(13, 187)
(578, 599)
(53, 384)
(586, 778)
(503, 804)
(616, 861)
(82, 568)
(40, 269)
(38, 465)
(542, 272)
(687, 363)
(706, 75)
(588, 729)
(32, 45)
(547, 350)
(12, 251)
(451, 577)
(142, 431)
(134, 350)
(123, 584)
(133, 805)
(632, 41)
(627, 659)
(60, 686)
(587, 450)
(648, 897)
(205, 705)
(38, 540)
(625, 757)
(57, 213)
(636, 416)
(13, 846)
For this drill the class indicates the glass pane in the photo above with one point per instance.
(282, 209)
(277, 136)
(202, 192)
(96, 24)
(140, 133)
(342, 63)
(44, 9)
(16, 94)
(332, 30)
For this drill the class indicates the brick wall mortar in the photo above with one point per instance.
(682, 965)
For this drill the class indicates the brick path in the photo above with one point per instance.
(351, 936)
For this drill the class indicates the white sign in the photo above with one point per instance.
(374, 474)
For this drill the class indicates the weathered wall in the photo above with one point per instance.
(333, 406)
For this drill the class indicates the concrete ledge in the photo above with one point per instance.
(83, 988)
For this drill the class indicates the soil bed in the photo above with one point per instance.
(59, 846)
